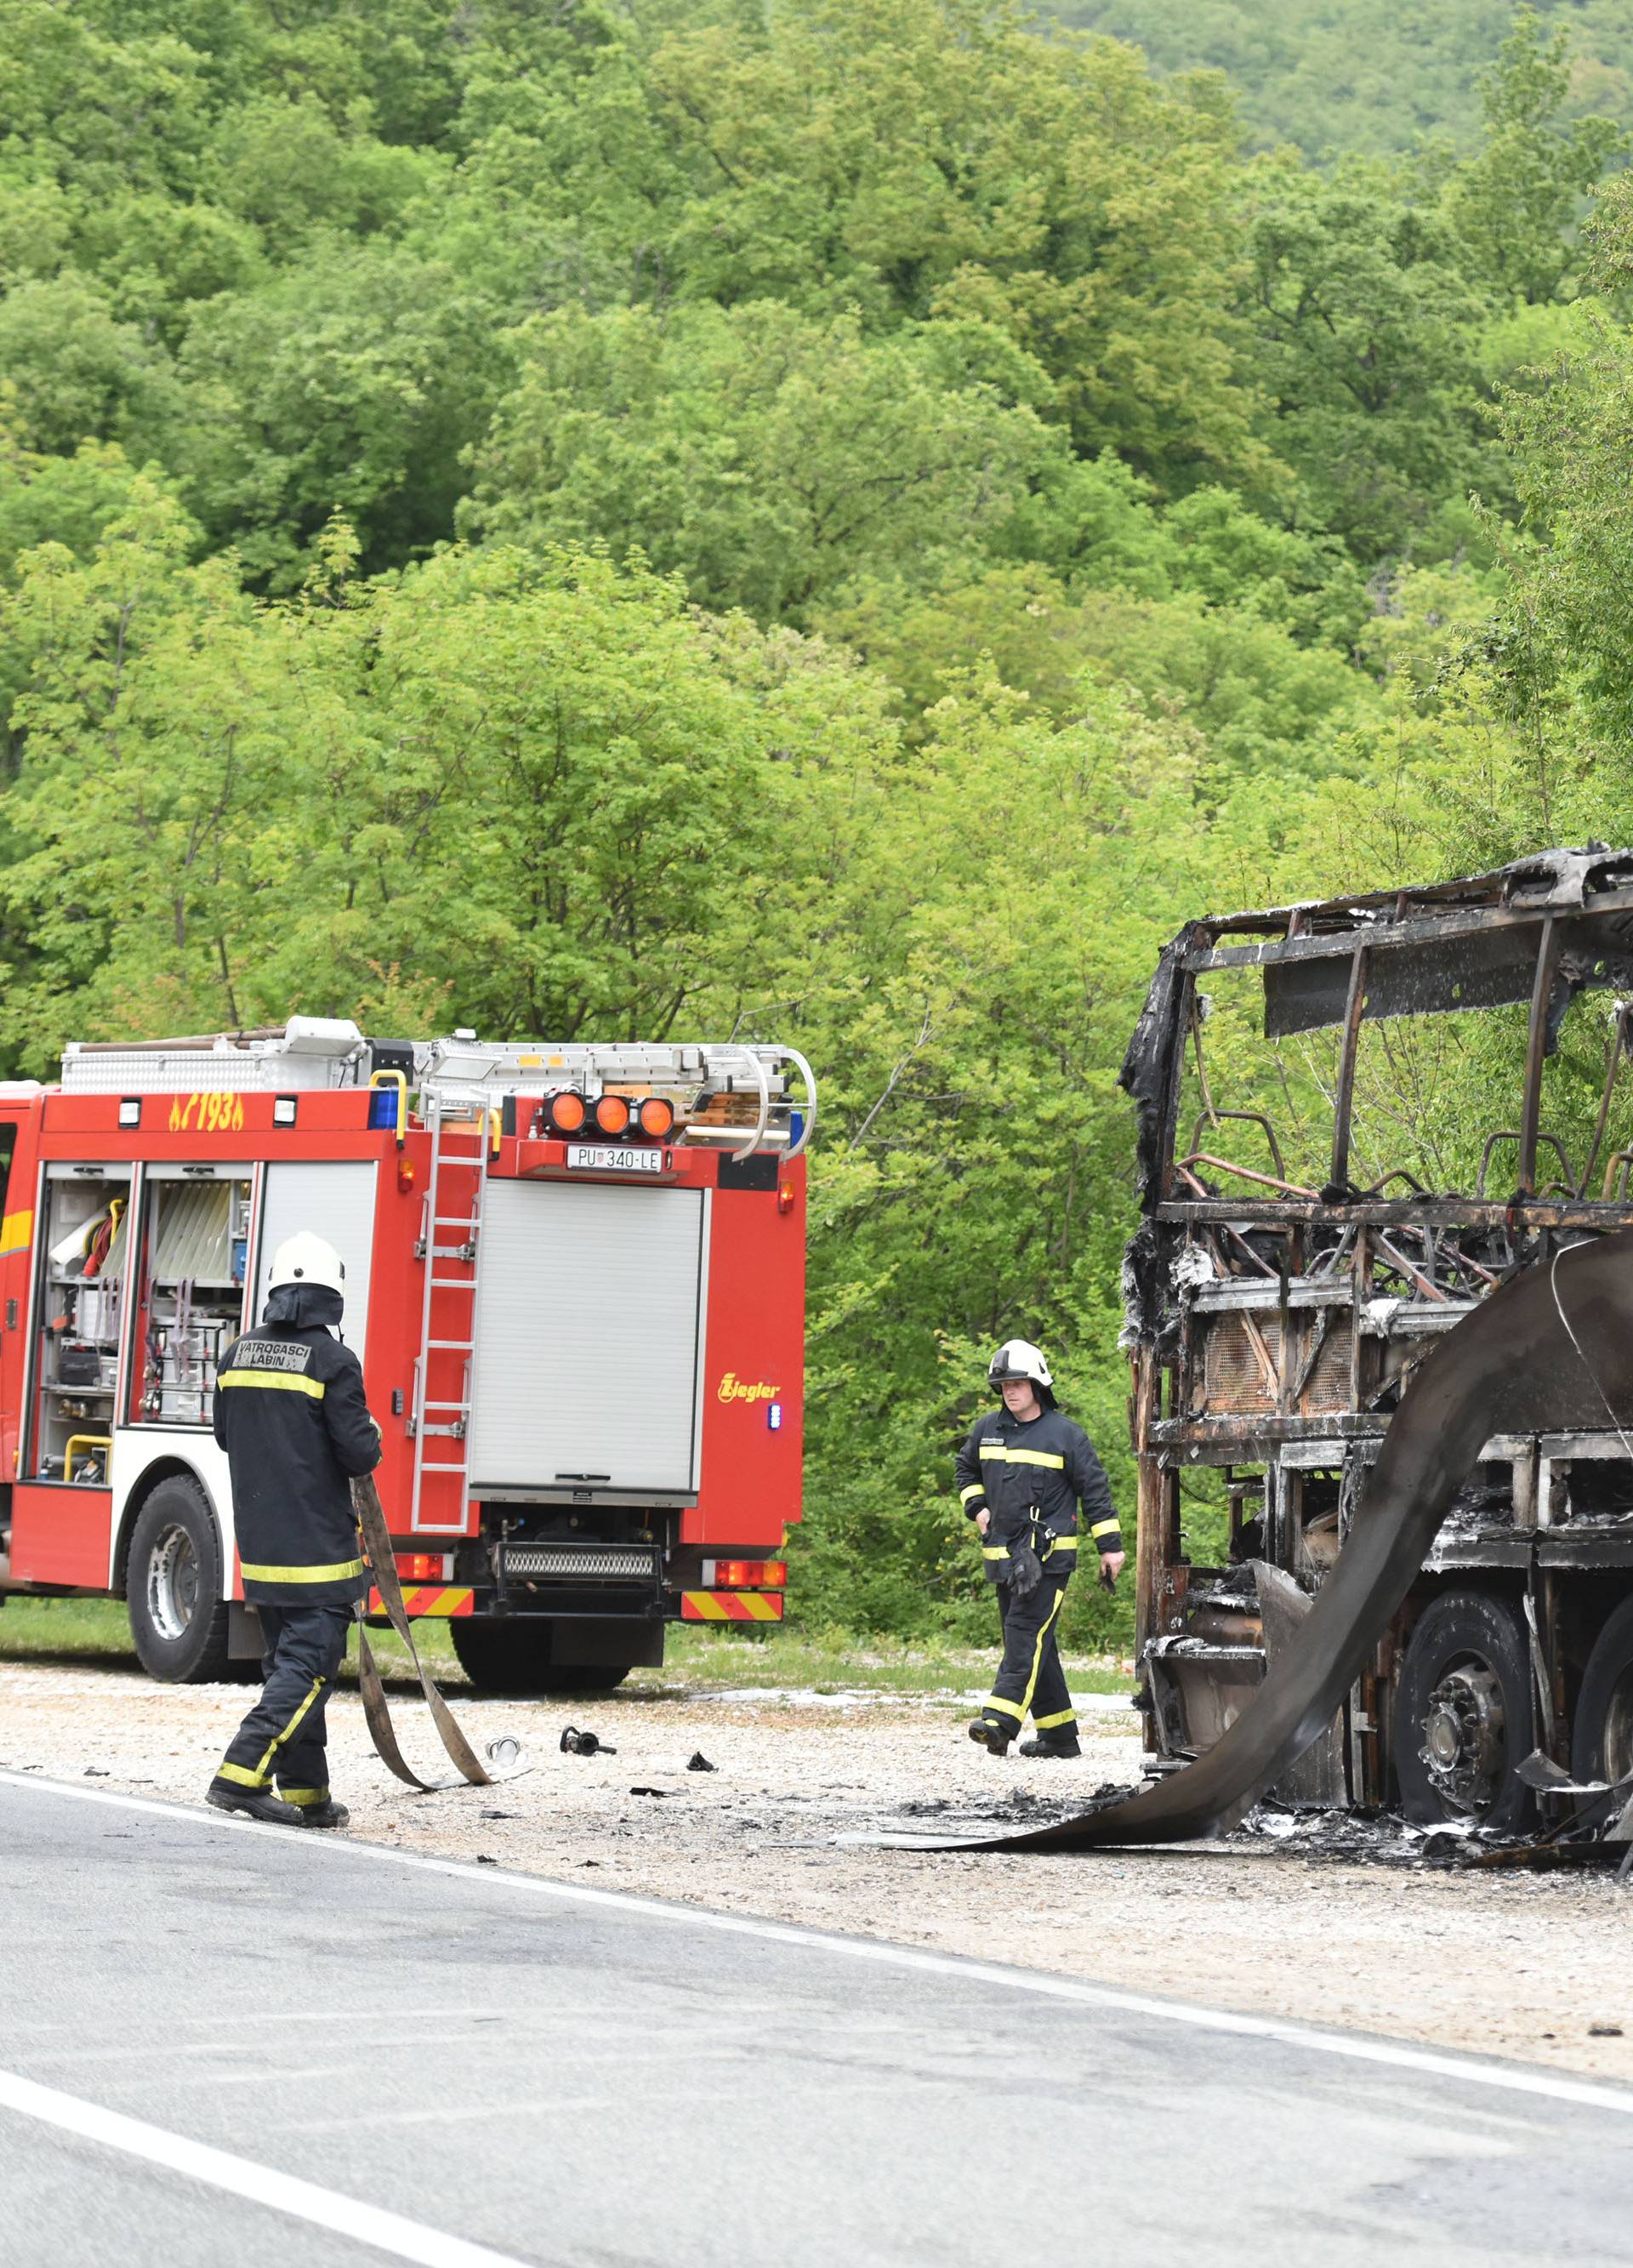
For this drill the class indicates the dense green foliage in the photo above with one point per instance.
(1373, 77)
(846, 522)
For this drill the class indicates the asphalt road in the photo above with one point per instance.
(610, 2083)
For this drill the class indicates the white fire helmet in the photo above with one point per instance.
(1019, 1359)
(307, 1259)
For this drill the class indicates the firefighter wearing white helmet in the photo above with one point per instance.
(1023, 1473)
(291, 1415)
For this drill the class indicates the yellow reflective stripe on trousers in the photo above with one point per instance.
(975, 1488)
(1008, 1707)
(304, 1796)
(286, 1381)
(241, 1775)
(1022, 1456)
(1049, 1724)
(1037, 1651)
(278, 1738)
(995, 1550)
(335, 1573)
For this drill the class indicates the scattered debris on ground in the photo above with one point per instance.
(1319, 1918)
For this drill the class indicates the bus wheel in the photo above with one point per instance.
(1601, 1737)
(513, 1656)
(1464, 1719)
(172, 1587)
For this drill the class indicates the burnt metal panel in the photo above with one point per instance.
(1327, 1387)
(1564, 881)
(1601, 1548)
(1486, 969)
(1234, 1377)
(1317, 1780)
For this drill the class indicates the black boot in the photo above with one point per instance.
(1052, 1744)
(993, 1737)
(326, 1813)
(254, 1802)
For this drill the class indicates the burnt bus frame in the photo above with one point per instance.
(1540, 931)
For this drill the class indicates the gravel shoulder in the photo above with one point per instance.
(1512, 1964)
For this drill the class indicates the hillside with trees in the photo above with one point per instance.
(847, 523)
(1365, 77)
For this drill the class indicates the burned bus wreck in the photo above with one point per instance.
(1356, 1119)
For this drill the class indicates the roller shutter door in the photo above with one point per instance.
(589, 1310)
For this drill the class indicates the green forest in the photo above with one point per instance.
(1341, 77)
(846, 522)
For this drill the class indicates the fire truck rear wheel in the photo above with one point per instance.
(514, 1656)
(1601, 1737)
(1464, 1718)
(172, 1587)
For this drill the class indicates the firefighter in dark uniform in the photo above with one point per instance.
(292, 1416)
(1022, 1474)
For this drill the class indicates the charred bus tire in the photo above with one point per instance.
(1601, 1738)
(1464, 1715)
(172, 1587)
(514, 1656)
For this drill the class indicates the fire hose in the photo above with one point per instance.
(506, 1758)
(1520, 1363)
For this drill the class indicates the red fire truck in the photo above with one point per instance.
(575, 1279)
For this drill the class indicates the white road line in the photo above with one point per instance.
(1553, 2086)
(241, 2178)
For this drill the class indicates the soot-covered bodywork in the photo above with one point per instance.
(1356, 1120)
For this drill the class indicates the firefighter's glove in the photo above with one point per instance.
(1025, 1569)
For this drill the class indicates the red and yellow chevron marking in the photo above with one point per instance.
(429, 1598)
(731, 1606)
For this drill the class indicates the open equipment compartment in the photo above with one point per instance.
(194, 1256)
(83, 1246)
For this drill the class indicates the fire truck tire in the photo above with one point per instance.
(1465, 1717)
(1601, 1737)
(172, 1587)
(514, 1656)
(584, 1677)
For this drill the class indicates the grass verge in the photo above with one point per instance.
(95, 1632)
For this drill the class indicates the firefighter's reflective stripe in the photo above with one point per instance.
(731, 1606)
(278, 1738)
(285, 1382)
(975, 1488)
(996, 1450)
(429, 1598)
(1107, 1527)
(15, 1232)
(337, 1572)
(1018, 1709)
(258, 1774)
(304, 1796)
(1040, 1724)
(1056, 1544)
(1037, 1651)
